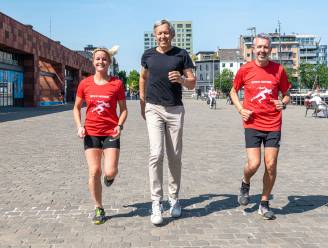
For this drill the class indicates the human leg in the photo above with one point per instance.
(270, 173)
(111, 157)
(156, 128)
(173, 142)
(93, 157)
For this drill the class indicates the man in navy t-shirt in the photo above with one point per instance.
(165, 69)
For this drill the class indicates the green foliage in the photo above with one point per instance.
(223, 81)
(123, 77)
(291, 78)
(312, 75)
(133, 80)
(307, 75)
(322, 73)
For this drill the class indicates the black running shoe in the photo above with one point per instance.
(243, 197)
(108, 182)
(265, 211)
(100, 216)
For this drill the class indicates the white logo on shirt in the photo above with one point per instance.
(262, 94)
(101, 105)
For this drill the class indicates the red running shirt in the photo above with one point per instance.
(101, 117)
(261, 86)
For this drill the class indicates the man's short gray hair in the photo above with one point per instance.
(262, 36)
(162, 22)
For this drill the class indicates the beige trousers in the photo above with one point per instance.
(165, 124)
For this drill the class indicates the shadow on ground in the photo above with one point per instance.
(17, 113)
(220, 202)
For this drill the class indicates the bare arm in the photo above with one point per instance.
(144, 75)
(245, 113)
(77, 116)
(122, 117)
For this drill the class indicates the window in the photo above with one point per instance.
(201, 77)
(206, 67)
(223, 65)
(180, 26)
(231, 65)
(188, 25)
(248, 55)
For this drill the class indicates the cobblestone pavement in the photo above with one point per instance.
(44, 198)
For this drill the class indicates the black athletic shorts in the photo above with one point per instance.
(101, 142)
(254, 138)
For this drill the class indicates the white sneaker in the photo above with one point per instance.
(175, 208)
(156, 213)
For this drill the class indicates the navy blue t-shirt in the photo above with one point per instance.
(160, 90)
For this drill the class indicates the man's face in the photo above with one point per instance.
(262, 50)
(163, 35)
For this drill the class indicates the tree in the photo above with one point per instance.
(224, 80)
(322, 76)
(133, 81)
(123, 77)
(307, 75)
(291, 78)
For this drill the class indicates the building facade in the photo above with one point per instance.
(35, 70)
(183, 36)
(285, 49)
(290, 50)
(230, 59)
(207, 66)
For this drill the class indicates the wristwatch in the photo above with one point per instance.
(284, 105)
(121, 127)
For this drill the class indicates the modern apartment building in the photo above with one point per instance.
(183, 36)
(285, 49)
(290, 50)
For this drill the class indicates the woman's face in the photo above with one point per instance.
(101, 61)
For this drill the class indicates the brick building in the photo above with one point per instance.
(35, 70)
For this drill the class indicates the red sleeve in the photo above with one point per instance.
(284, 84)
(238, 82)
(121, 92)
(80, 89)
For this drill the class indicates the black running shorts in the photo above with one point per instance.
(101, 142)
(254, 138)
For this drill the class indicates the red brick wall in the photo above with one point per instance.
(16, 37)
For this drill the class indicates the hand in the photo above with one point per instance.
(81, 132)
(117, 131)
(245, 114)
(175, 77)
(279, 104)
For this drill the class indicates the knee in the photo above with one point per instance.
(271, 166)
(253, 164)
(156, 157)
(112, 172)
(95, 173)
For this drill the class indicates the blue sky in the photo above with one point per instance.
(216, 23)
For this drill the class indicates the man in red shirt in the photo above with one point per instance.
(261, 109)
